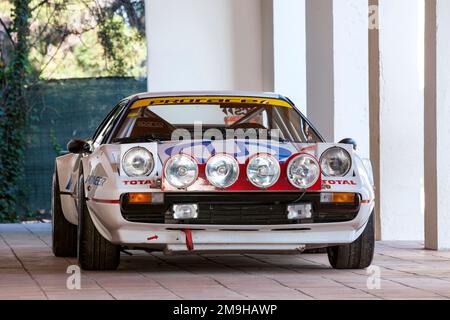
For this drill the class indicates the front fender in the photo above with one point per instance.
(67, 169)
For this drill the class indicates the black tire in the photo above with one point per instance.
(94, 251)
(64, 234)
(356, 255)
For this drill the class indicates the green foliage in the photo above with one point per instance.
(14, 112)
(84, 38)
(53, 40)
(87, 38)
(112, 49)
(115, 41)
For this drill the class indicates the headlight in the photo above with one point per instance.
(222, 170)
(303, 171)
(181, 171)
(335, 162)
(137, 162)
(263, 170)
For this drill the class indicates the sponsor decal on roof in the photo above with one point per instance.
(210, 100)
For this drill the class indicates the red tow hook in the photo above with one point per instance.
(189, 243)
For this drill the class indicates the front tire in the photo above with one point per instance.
(356, 255)
(64, 234)
(94, 251)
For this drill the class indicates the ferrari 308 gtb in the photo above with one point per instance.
(211, 172)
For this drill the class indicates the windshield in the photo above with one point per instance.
(215, 122)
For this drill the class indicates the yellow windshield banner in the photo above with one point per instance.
(252, 101)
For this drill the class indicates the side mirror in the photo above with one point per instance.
(349, 141)
(78, 146)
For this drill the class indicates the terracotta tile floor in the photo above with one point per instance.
(28, 270)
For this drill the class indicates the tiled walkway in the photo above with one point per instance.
(28, 270)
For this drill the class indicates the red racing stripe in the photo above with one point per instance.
(105, 201)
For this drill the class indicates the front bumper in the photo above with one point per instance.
(171, 237)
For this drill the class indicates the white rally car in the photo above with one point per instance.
(211, 172)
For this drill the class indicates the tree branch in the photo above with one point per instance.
(38, 5)
(55, 53)
(7, 32)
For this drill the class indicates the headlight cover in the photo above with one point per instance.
(303, 171)
(335, 162)
(263, 170)
(181, 171)
(137, 162)
(222, 170)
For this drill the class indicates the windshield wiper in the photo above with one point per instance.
(279, 138)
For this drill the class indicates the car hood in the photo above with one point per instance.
(241, 149)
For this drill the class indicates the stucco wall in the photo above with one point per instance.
(204, 45)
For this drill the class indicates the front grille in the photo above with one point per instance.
(255, 208)
(227, 214)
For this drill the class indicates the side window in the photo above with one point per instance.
(308, 133)
(107, 124)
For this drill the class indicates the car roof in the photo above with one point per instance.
(253, 94)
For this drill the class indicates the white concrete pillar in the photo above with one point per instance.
(320, 65)
(351, 72)
(401, 119)
(204, 45)
(374, 106)
(267, 45)
(289, 38)
(437, 128)
(337, 69)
